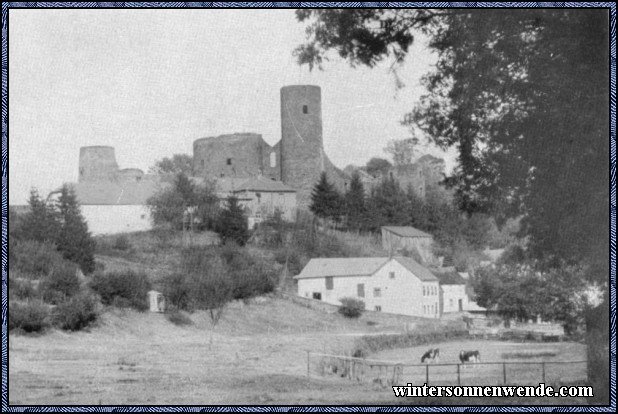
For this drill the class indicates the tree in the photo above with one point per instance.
(386, 206)
(169, 205)
(178, 163)
(402, 150)
(74, 239)
(501, 79)
(232, 224)
(40, 223)
(325, 200)
(377, 166)
(355, 202)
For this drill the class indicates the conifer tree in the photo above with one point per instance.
(325, 200)
(355, 202)
(74, 239)
(232, 224)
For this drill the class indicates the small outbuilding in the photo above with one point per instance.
(156, 301)
(398, 238)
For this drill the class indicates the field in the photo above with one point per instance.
(257, 355)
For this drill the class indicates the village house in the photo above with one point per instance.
(399, 238)
(397, 285)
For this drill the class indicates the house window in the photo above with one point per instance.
(424, 291)
(143, 216)
(360, 290)
(305, 109)
(450, 302)
(378, 308)
(391, 275)
(317, 295)
(329, 283)
(259, 197)
(202, 163)
(377, 292)
(229, 161)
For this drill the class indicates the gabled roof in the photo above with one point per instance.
(449, 278)
(415, 267)
(346, 266)
(264, 185)
(406, 231)
(116, 192)
(359, 266)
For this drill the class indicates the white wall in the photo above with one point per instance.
(401, 295)
(111, 219)
(452, 294)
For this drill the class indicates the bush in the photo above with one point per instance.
(20, 288)
(35, 259)
(77, 313)
(32, 316)
(179, 318)
(122, 243)
(178, 291)
(61, 284)
(351, 307)
(124, 289)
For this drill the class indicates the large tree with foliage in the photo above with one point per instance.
(40, 223)
(178, 163)
(522, 94)
(377, 166)
(232, 223)
(355, 202)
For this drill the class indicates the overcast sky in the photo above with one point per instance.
(150, 82)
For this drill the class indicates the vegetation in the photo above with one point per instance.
(232, 223)
(177, 204)
(179, 318)
(122, 289)
(77, 313)
(30, 316)
(326, 202)
(177, 164)
(377, 166)
(351, 307)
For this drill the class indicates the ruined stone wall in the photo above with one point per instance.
(302, 155)
(233, 156)
(97, 163)
(271, 160)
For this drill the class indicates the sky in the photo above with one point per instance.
(150, 82)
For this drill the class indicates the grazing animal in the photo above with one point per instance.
(469, 356)
(432, 355)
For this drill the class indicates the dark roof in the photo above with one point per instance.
(116, 192)
(449, 278)
(345, 266)
(406, 231)
(416, 268)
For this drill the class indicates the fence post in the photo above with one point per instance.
(308, 363)
(504, 371)
(458, 375)
(427, 374)
(543, 365)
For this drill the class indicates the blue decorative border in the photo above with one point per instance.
(612, 287)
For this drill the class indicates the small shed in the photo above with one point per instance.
(156, 301)
(398, 238)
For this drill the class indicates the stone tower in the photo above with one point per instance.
(97, 163)
(302, 153)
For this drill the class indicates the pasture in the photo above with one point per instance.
(523, 363)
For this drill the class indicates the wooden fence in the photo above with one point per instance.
(387, 373)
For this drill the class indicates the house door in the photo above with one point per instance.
(460, 305)
(317, 295)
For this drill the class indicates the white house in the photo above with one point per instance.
(111, 207)
(395, 285)
(454, 293)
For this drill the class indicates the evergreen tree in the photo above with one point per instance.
(74, 240)
(355, 202)
(387, 205)
(325, 200)
(232, 224)
(40, 223)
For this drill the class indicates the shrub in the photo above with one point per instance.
(32, 316)
(122, 243)
(35, 259)
(61, 284)
(20, 288)
(126, 288)
(77, 313)
(178, 291)
(351, 307)
(179, 318)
